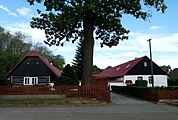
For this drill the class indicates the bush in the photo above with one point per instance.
(173, 82)
(141, 83)
(64, 80)
(4, 81)
(131, 90)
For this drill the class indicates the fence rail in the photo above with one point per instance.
(99, 92)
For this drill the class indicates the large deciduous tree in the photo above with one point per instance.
(69, 20)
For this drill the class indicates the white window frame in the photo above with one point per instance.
(30, 80)
(139, 78)
(145, 64)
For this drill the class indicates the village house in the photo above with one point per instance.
(137, 69)
(33, 69)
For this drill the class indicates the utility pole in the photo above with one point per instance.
(152, 78)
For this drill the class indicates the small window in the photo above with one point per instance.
(117, 68)
(127, 66)
(145, 64)
(150, 80)
(139, 78)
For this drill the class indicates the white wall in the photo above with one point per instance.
(159, 80)
(116, 84)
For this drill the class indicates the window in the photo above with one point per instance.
(145, 64)
(117, 68)
(139, 78)
(150, 79)
(127, 66)
(26, 81)
(30, 80)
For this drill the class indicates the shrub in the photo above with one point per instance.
(141, 83)
(173, 81)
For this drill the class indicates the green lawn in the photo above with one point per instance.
(48, 102)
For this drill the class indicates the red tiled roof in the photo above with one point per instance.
(56, 71)
(122, 69)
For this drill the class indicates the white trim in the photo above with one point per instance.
(30, 80)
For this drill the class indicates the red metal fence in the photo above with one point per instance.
(99, 91)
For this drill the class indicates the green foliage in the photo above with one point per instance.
(68, 77)
(64, 19)
(7, 61)
(78, 61)
(141, 83)
(166, 68)
(130, 90)
(71, 20)
(173, 82)
(96, 70)
(3, 81)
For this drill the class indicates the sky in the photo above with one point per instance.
(15, 15)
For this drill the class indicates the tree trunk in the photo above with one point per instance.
(88, 48)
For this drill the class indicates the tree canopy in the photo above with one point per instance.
(70, 20)
(68, 77)
(166, 68)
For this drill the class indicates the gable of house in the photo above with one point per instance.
(122, 69)
(34, 64)
(33, 67)
(143, 67)
(138, 66)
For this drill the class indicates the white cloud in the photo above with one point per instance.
(7, 10)
(25, 12)
(136, 46)
(157, 27)
(36, 34)
(117, 56)
(154, 27)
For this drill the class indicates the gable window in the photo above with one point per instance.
(145, 64)
(139, 78)
(30, 80)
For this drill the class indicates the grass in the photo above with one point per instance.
(48, 102)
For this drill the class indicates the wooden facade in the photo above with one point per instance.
(33, 70)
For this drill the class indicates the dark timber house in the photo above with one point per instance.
(33, 69)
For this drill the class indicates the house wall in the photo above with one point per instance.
(159, 80)
(19, 80)
(32, 67)
(116, 84)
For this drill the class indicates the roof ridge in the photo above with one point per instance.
(123, 68)
(131, 61)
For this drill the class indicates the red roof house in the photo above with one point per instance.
(33, 69)
(137, 69)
